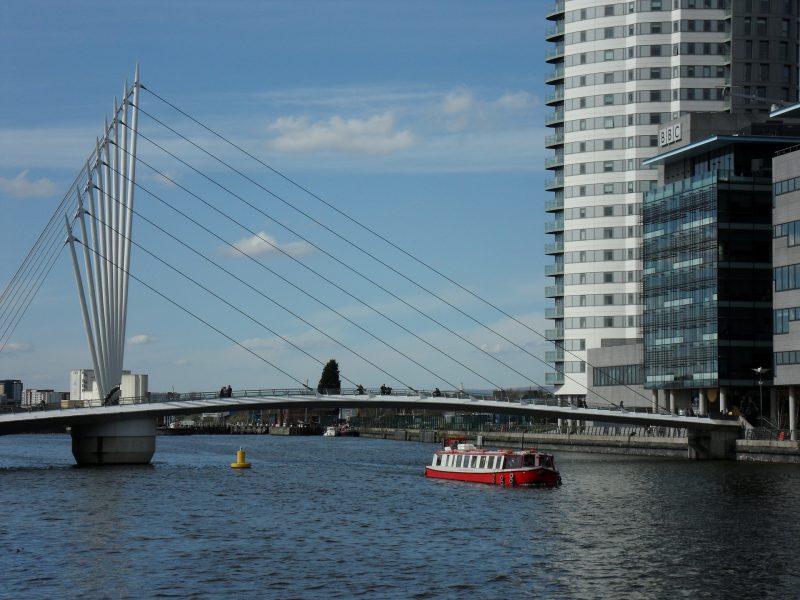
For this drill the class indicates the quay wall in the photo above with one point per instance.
(562, 442)
(768, 451)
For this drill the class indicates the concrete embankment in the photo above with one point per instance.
(562, 442)
(768, 451)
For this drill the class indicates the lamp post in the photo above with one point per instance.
(760, 372)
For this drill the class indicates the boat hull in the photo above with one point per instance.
(528, 477)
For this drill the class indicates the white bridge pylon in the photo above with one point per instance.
(106, 196)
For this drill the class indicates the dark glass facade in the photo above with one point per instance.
(707, 274)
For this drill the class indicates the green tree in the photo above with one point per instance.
(329, 382)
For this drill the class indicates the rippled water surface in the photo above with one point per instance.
(344, 517)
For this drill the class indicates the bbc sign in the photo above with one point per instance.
(669, 135)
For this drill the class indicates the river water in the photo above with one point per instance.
(346, 517)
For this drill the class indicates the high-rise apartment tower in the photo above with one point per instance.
(620, 72)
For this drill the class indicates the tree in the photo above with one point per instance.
(329, 382)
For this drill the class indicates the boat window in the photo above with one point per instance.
(459, 460)
(513, 462)
(530, 460)
(482, 463)
(492, 460)
(473, 462)
(437, 460)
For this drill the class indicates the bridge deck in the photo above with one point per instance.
(51, 419)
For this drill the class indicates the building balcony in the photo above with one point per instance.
(553, 335)
(555, 11)
(554, 32)
(554, 313)
(554, 205)
(554, 162)
(554, 269)
(555, 74)
(554, 118)
(554, 183)
(554, 226)
(555, 53)
(556, 139)
(552, 356)
(554, 248)
(554, 378)
(554, 98)
(553, 291)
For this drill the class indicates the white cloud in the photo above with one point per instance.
(261, 244)
(493, 348)
(457, 101)
(15, 347)
(374, 135)
(181, 362)
(141, 340)
(22, 187)
(167, 178)
(515, 101)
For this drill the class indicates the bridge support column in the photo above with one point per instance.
(792, 414)
(123, 442)
(702, 402)
(654, 401)
(773, 405)
(723, 400)
(712, 444)
(672, 408)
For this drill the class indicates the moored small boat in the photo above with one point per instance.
(466, 462)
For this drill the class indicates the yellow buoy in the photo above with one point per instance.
(240, 464)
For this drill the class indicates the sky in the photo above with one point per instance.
(424, 121)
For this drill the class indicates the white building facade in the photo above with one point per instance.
(620, 72)
(83, 387)
(38, 397)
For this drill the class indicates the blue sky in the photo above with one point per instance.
(422, 119)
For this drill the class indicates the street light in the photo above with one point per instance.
(761, 372)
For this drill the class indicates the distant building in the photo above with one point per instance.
(37, 397)
(83, 386)
(11, 391)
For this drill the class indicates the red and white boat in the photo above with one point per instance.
(466, 462)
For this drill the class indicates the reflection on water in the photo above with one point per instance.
(345, 517)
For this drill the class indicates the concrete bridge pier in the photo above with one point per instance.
(123, 442)
(713, 444)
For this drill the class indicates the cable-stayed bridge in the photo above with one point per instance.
(96, 218)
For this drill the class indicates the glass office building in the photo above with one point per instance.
(707, 270)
